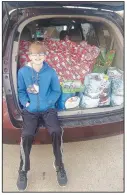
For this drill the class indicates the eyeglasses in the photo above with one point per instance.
(35, 54)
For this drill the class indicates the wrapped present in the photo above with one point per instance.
(72, 61)
(109, 57)
(104, 61)
(72, 86)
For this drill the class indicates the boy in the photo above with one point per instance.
(38, 91)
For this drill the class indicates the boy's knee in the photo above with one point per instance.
(28, 131)
(27, 134)
(57, 131)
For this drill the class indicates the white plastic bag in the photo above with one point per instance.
(88, 102)
(104, 101)
(114, 73)
(92, 85)
(97, 85)
(116, 100)
(72, 102)
(117, 87)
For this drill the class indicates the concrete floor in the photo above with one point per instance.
(92, 166)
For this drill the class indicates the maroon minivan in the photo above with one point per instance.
(78, 124)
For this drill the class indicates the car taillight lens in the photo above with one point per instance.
(3, 93)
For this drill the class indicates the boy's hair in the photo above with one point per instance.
(37, 47)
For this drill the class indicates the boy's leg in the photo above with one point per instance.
(30, 126)
(52, 124)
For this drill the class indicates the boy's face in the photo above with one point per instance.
(36, 55)
(37, 58)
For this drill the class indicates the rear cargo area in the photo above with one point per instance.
(87, 56)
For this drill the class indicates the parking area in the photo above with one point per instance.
(92, 166)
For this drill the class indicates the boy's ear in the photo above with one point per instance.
(30, 43)
(29, 57)
(28, 54)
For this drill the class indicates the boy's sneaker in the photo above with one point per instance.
(61, 174)
(22, 180)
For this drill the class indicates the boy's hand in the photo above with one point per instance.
(27, 104)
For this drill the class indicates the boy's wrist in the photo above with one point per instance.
(27, 104)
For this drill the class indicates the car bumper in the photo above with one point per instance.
(73, 130)
(12, 135)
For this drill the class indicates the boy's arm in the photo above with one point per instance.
(22, 93)
(55, 89)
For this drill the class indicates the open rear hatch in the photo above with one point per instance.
(113, 6)
(73, 117)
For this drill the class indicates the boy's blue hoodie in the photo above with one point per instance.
(49, 88)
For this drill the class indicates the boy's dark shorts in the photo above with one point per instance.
(32, 121)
